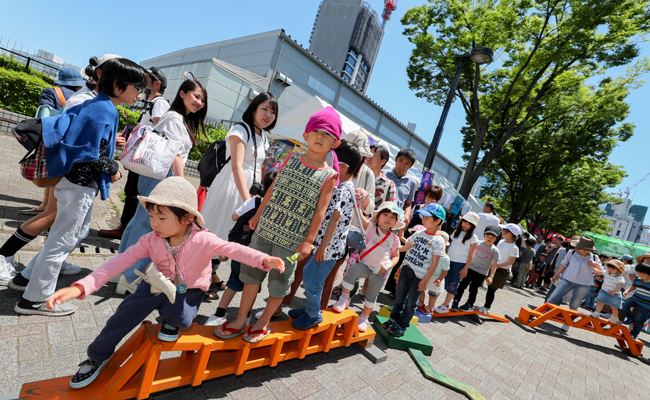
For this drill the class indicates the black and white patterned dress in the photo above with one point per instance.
(342, 201)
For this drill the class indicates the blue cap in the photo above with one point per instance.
(70, 77)
(433, 210)
(627, 257)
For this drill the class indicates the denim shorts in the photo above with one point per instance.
(615, 301)
(453, 277)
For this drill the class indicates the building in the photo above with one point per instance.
(638, 212)
(234, 71)
(47, 63)
(624, 223)
(347, 35)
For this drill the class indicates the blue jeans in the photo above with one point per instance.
(138, 227)
(74, 204)
(642, 315)
(313, 278)
(406, 297)
(579, 293)
(590, 300)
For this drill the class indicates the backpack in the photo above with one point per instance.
(241, 233)
(215, 159)
(33, 165)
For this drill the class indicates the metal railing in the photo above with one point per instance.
(27, 59)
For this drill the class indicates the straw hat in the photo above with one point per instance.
(617, 264)
(640, 258)
(392, 206)
(175, 191)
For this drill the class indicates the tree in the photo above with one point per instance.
(542, 49)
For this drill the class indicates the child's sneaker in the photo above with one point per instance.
(614, 320)
(595, 314)
(396, 330)
(627, 321)
(88, 372)
(483, 310)
(466, 307)
(389, 322)
(168, 333)
(441, 309)
(422, 308)
(7, 271)
(342, 303)
(454, 305)
(427, 310)
(363, 323)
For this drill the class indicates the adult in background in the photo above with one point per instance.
(485, 219)
(231, 187)
(539, 242)
(406, 187)
(155, 107)
(577, 271)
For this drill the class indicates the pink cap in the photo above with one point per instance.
(326, 119)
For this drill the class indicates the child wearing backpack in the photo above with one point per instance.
(242, 234)
(173, 284)
(288, 220)
(79, 146)
(376, 260)
(424, 249)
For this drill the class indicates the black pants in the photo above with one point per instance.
(390, 286)
(131, 202)
(474, 280)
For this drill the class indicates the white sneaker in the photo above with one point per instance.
(595, 314)
(482, 310)
(69, 269)
(363, 323)
(342, 303)
(124, 286)
(258, 314)
(441, 309)
(215, 321)
(565, 328)
(614, 320)
(7, 271)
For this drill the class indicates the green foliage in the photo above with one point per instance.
(498, 207)
(19, 91)
(127, 117)
(213, 133)
(10, 63)
(542, 49)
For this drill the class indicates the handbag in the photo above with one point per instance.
(149, 152)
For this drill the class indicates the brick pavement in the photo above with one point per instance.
(499, 360)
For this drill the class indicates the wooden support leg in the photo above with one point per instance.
(149, 371)
(200, 364)
(122, 376)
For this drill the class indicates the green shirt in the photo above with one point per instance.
(287, 216)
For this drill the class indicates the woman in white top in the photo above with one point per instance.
(230, 188)
(182, 123)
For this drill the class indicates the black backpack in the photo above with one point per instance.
(241, 233)
(215, 159)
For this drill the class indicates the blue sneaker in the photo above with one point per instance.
(396, 330)
(454, 306)
(305, 322)
(388, 324)
(466, 307)
(627, 321)
(297, 313)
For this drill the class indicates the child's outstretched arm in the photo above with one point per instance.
(243, 254)
(406, 247)
(422, 286)
(319, 255)
(63, 295)
(630, 289)
(304, 248)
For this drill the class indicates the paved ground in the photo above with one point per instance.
(499, 360)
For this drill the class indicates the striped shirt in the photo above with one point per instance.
(642, 293)
(380, 186)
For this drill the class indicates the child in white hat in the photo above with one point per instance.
(181, 253)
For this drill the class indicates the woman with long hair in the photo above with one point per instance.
(184, 121)
(231, 188)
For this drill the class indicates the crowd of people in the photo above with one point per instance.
(332, 205)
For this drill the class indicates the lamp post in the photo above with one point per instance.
(478, 55)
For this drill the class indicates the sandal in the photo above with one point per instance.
(337, 290)
(264, 332)
(233, 332)
(221, 285)
(391, 295)
(210, 295)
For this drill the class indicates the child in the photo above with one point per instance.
(243, 214)
(79, 146)
(641, 299)
(374, 263)
(181, 252)
(590, 299)
(525, 262)
(610, 292)
(461, 255)
(508, 252)
(483, 266)
(434, 289)
(538, 270)
(424, 251)
(330, 242)
(288, 220)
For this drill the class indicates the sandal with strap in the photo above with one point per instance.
(233, 332)
(264, 332)
(210, 295)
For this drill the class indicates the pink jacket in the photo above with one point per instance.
(194, 260)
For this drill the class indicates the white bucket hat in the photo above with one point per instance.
(175, 191)
(392, 206)
(471, 217)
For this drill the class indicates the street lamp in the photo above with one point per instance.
(478, 55)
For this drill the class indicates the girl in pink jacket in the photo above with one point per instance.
(174, 283)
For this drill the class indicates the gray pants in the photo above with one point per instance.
(74, 204)
(522, 274)
(375, 282)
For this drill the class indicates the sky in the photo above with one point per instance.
(152, 29)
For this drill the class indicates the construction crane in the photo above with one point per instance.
(389, 7)
(629, 188)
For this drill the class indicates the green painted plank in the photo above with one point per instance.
(412, 339)
(386, 310)
(453, 384)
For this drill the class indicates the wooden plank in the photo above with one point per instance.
(412, 339)
(427, 370)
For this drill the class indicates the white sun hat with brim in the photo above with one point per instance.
(513, 228)
(471, 217)
(175, 191)
(393, 207)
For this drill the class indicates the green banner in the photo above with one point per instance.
(617, 247)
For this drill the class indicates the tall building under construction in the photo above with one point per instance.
(347, 35)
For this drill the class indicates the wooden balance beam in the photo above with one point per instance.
(204, 356)
(551, 312)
